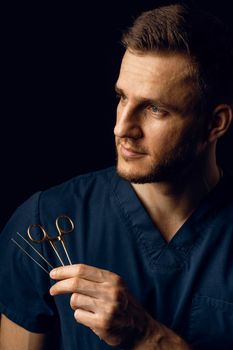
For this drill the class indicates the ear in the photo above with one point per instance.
(220, 122)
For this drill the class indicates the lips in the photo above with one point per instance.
(130, 152)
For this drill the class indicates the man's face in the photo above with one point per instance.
(158, 134)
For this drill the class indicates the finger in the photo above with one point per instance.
(93, 321)
(76, 285)
(81, 270)
(84, 302)
(86, 318)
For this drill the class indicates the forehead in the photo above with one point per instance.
(154, 73)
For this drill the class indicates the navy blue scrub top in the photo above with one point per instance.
(187, 284)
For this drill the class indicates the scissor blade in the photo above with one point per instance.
(12, 239)
(37, 252)
(66, 252)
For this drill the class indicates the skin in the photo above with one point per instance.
(157, 116)
(102, 302)
(157, 131)
(12, 336)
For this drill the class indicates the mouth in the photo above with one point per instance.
(130, 152)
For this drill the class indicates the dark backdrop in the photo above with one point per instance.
(60, 66)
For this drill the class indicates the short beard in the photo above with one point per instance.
(169, 170)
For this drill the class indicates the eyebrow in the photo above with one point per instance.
(144, 100)
(119, 90)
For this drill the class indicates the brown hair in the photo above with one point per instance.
(201, 36)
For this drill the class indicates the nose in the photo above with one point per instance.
(127, 123)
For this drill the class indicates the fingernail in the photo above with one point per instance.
(51, 291)
(52, 273)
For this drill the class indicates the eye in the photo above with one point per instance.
(158, 112)
(155, 109)
(120, 97)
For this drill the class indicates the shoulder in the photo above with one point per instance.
(61, 197)
(79, 193)
(80, 186)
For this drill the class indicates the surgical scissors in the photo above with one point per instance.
(44, 236)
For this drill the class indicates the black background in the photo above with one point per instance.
(58, 102)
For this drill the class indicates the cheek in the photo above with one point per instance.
(160, 139)
(166, 140)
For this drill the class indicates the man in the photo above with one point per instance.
(152, 245)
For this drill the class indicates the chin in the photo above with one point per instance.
(138, 174)
(149, 173)
(136, 178)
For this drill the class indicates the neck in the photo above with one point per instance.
(170, 203)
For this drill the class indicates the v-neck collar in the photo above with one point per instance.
(146, 232)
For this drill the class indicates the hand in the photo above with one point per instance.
(102, 302)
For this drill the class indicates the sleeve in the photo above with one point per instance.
(24, 287)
